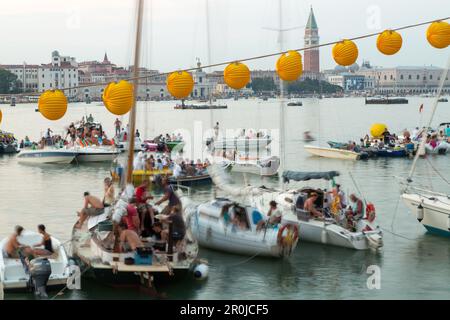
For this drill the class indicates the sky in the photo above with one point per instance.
(175, 31)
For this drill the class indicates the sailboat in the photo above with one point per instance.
(432, 209)
(95, 242)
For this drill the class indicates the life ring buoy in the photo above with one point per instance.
(290, 237)
(370, 212)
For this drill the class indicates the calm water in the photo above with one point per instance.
(414, 265)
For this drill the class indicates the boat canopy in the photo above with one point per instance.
(305, 176)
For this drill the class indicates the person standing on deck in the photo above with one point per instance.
(109, 197)
(216, 130)
(117, 125)
(171, 196)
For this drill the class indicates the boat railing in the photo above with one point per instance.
(184, 189)
(430, 192)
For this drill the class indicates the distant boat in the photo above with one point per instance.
(199, 107)
(443, 100)
(332, 153)
(386, 100)
(13, 101)
(188, 181)
(295, 104)
(242, 143)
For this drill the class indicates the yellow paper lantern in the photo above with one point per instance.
(236, 75)
(289, 66)
(180, 84)
(389, 42)
(52, 104)
(438, 34)
(377, 129)
(345, 52)
(118, 98)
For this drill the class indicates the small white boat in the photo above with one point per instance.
(13, 275)
(441, 148)
(332, 153)
(123, 145)
(212, 226)
(265, 167)
(367, 235)
(432, 209)
(95, 153)
(242, 143)
(44, 156)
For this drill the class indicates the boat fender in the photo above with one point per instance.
(289, 237)
(323, 236)
(201, 271)
(420, 212)
(448, 222)
(370, 212)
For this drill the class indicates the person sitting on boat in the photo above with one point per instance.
(12, 247)
(366, 141)
(177, 171)
(169, 195)
(178, 226)
(129, 239)
(46, 243)
(146, 219)
(190, 169)
(274, 217)
(356, 207)
(141, 192)
(239, 218)
(159, 166)
(157, 229)
(109, 197)
(93, 206)
(311, 207)
(386, 136)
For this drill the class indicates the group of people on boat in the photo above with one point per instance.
(14, 249)
(6, 138)
(141, 219)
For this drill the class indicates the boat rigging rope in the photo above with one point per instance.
(252, 58)
(437, 172)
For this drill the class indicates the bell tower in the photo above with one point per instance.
(311, 56)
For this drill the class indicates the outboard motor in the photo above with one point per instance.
(40, 271)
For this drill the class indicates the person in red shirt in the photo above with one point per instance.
(142, 194)
(132, 217)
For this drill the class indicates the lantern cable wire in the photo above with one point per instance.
(247, 59)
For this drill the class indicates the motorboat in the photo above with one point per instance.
(334, 230)
(265, 166)
(441, 148)
(16, 275)
(189, 181)
(8, 143)
(240, 143)
(333, 153)
(295, 104)
(213, 225)
(94, 153)
(47, 156)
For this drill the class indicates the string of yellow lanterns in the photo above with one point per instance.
(236, 75)
(118, 97)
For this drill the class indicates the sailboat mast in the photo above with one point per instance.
(281, 124)
(433, 111)
(132, 121)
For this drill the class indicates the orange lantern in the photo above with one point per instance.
(345, 52)
(289, 66)
(180, 84)
(118, 97)
(1, 115)
(236, 75)
(389, 42)
(52, 104)
(438, 34)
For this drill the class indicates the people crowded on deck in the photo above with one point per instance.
(175, 217)
(92, 206)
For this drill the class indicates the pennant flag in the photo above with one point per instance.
(421, 108)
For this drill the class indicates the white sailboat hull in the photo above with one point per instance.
(332, 153)
(270, 167)
(436, 211)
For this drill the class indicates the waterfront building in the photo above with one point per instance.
(61, 73)
(27, 74)
(348, 81)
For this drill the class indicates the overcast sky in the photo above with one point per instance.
(175, 30)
